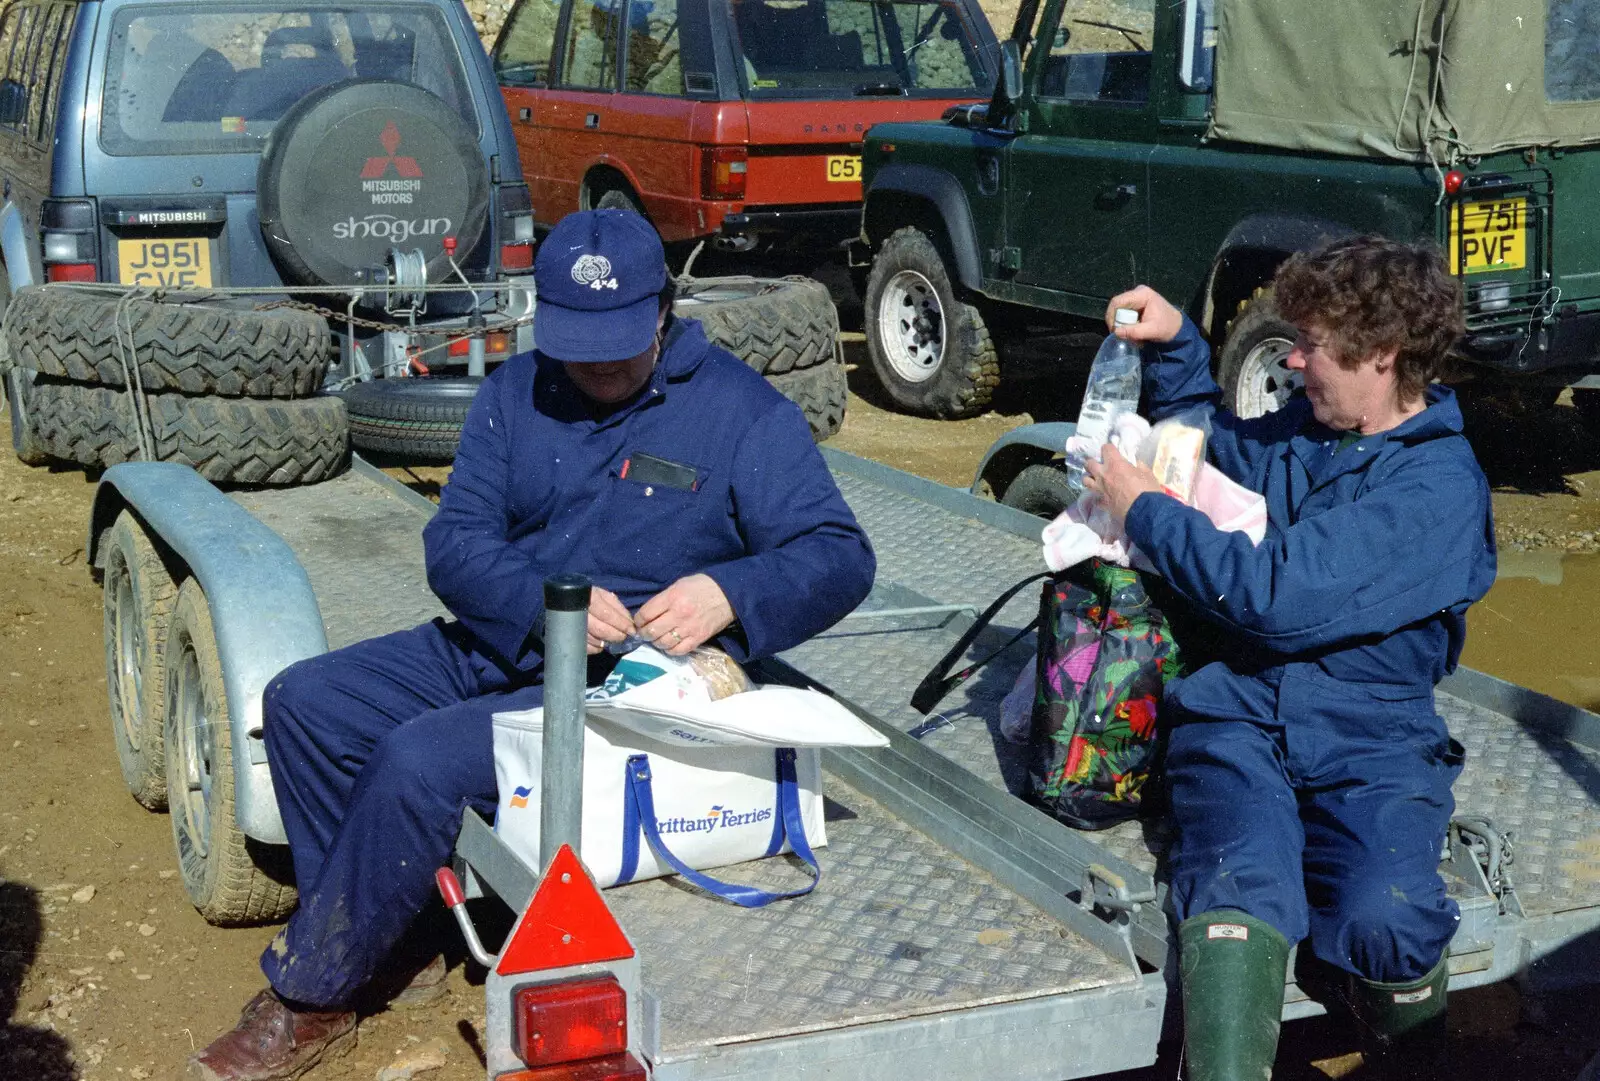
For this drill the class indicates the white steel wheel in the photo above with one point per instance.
(137, 598)
(911, 326)
(1252, 365)
(231, 880)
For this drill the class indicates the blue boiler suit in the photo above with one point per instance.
(378, 747)
(1309, 772)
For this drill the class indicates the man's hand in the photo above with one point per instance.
(609, 621)
(1118, 482)
(685, 614)
(1159, 322)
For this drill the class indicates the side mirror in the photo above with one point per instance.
(1008, 87)
(13, 103)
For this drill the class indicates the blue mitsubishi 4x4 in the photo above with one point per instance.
(218, 212)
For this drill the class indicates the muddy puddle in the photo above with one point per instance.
(1537, 626)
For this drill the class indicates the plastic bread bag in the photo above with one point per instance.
(1175, 450)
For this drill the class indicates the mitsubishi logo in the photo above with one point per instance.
(377, 167)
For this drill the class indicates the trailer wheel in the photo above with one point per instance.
(1042, 490)
(821, 394)
(226, 440)
(189, 343)
(418, 417)
(775, 325)
(24, 433)
(232, 880)
(931, 350)
(138, 599)
(1250, 366)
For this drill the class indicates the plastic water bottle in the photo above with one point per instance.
(1112, 391)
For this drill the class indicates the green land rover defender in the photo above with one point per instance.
(1195, 144)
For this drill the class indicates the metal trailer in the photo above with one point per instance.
(958, 932)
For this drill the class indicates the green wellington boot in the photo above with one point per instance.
(1402, 1027)
(1232, 968)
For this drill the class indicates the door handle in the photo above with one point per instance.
(591, 120)
(525, 114)
(1115, 195)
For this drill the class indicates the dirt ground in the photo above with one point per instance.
(107, 972)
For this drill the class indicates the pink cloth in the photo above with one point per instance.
(1085, 529)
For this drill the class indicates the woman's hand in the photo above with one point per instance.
(1159, 322)
(1118, 482)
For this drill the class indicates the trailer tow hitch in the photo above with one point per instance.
(1477, 843)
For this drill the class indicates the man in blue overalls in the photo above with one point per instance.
(1309, 773)
(626, 448)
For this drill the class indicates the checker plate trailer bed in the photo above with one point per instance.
(958, 932)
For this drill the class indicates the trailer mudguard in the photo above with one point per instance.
(1018, 449)
(262, 608)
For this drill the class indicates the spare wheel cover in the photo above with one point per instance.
(363, 166)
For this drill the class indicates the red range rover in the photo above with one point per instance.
(737, 120)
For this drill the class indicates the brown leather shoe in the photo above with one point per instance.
(272, 1042)
(425, 988)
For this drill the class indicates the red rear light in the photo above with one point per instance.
(722, 172)
(1453, 180)
(611, 1068)
(566, 1022)
(70, 272)
(516, 256)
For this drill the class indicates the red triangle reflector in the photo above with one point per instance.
(566, 923)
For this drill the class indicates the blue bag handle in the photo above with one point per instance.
(640, 814)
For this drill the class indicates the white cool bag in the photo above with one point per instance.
(674, 782)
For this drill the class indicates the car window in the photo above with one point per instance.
(522, 55)
(654, 65)
(589, 61)
(215, 81)
(1571, 61)
(14, 54)
(57, 71)
(855, 47)
(44, 46)
(1100, 52)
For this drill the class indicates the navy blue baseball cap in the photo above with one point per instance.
(599, 276)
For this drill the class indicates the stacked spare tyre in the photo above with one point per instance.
(94, 375)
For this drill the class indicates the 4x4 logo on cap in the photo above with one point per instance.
(377, 167)
(593, 271)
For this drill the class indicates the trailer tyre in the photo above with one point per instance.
(931, 351)
(138, 599)
(418, 418)
(232, 880)
(1042, 490)
(187, 343)
(775, 325)
(821, 394)
(1251, 368)
(226, 440)
(19, 403)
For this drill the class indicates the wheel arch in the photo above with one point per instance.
(1250, 255)
(263, 611)
(15, 251)
(1031, 444)
(604, 175)
(930, 199)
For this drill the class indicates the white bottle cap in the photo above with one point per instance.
(1126, 317)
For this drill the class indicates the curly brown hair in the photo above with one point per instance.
(1371, 295)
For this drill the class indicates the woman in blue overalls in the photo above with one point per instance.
(1310, 775)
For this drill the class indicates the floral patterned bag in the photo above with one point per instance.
(1106, 652)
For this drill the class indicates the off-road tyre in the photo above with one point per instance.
(1250, 363)
(182, 342)
(620, 199)
(226, 440)
(418, 418)
(775, 325)
(821, 394)
(961, 377)
(19, 406)
(232, 880)
(1041, 490)
(137, 600)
